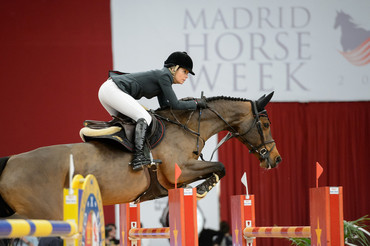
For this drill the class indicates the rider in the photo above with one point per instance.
(120, 92)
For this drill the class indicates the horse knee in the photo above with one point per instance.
(221, 171)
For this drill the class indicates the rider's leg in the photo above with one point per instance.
(115, 100)
(140, 158)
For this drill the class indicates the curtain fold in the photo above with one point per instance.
(334, 134)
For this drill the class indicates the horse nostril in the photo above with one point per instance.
(278, 160)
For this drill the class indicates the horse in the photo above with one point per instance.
(32, 183)
(352, 35)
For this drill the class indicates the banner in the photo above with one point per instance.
(302, 50)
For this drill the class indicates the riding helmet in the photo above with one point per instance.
(180, 58)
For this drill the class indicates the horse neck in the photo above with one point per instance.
(347, 27)
(233, 112)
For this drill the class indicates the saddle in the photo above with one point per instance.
(121, 129)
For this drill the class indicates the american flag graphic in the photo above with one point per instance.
(360, 56)
(354, 39)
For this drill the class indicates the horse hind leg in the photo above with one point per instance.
(30, 196)
(5, 209)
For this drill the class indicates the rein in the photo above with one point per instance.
(183, 126)
(261, 149)
(177, 122)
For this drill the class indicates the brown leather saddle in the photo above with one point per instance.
(121, 129)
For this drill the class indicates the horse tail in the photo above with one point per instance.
(6, 242)
(3, 161)
(5, 210)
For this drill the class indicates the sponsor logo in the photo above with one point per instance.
(355, 40)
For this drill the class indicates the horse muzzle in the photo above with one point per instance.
(269, 158)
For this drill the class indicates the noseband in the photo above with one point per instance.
(261, 149)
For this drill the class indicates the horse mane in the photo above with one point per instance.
(210, 99)
(347, 16)
(227, 98)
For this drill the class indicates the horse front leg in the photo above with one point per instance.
(194, 170)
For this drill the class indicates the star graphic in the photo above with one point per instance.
(175, 233)
(318, 232)
(236, 233)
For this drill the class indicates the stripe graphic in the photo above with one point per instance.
(360, 56)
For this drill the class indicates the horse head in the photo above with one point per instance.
(245, 120)
(255, 133)
(341, 19)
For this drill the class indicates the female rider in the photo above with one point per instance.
(120, 92)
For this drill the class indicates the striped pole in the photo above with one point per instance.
(14, 228)
(139, 233)
(278, 232)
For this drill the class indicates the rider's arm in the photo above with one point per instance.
(168, 96)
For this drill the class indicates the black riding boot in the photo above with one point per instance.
(139, 157)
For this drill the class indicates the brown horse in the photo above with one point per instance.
(31, 184)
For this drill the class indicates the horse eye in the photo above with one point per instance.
(266, 125)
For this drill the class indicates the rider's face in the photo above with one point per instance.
(180, 76)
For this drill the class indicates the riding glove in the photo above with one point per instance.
(201, 103)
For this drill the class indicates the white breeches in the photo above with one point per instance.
(115, 100)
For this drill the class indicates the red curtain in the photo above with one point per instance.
(54, 57)
(334, 134)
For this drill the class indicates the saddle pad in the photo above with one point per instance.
(119, 134)
(89, 132)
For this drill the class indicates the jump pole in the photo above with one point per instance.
(326, 220)
(182, 218)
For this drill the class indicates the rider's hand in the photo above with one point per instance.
(201, 103)
(187, 99)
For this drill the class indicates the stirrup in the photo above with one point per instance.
(137, 167)
(154, 162)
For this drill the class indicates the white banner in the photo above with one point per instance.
(302, 50)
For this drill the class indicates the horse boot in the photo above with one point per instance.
(140, 159)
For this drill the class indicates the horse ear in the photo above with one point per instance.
(263, 101)
(260, 99)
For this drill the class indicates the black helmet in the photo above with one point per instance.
(180, 58)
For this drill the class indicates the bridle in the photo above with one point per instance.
(261, 149)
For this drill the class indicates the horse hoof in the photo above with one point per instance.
(201, 196)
